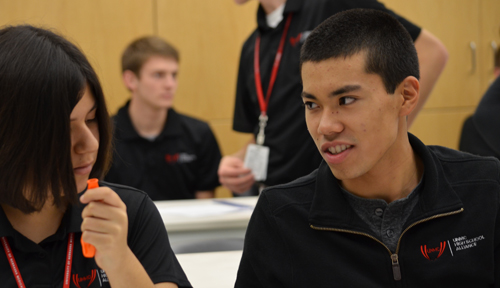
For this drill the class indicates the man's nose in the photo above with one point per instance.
(330, 123)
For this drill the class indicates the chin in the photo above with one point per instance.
(345, 174)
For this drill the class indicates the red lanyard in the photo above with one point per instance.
(277, 60)
(15, 269)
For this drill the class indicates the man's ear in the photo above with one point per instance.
(130, 80)
(410, 91)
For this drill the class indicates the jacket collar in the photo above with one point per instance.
(126, 130)
(291, 6)
(330, 209)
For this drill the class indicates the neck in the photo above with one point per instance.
(36, 226)
(271, 5)
(147, 120)
(394, 178)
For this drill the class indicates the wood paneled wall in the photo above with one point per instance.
(100, 28)
(458, 24)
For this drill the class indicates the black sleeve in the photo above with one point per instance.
(266, 260)
(209, 156)
(149, 242)
(244, 118)
(486, 118)
(413, 29)
(473, 142)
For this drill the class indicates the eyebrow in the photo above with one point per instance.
(307, 95)
(340, 91)
(346, 89)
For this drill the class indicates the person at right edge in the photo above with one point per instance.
(382, 209)
(480, 132)
(291, 151)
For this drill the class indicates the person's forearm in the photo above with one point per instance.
(432, 57)
(131, 273)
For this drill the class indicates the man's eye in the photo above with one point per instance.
(310, 105)
(346, 100)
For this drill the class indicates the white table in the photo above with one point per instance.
(191, 221)
(211, 270)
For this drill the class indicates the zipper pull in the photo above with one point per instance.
(396, 270)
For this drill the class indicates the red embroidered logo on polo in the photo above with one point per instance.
(179, 158)
(77, 280)
(300, 38)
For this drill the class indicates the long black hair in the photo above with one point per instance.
(42, 78)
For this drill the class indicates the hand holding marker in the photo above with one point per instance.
(88, 249)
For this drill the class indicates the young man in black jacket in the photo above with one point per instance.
(382, 209)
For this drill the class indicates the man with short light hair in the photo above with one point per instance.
(167, 154)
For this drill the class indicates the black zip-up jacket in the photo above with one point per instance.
(305, 234)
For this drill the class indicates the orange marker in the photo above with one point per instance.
(88, 249)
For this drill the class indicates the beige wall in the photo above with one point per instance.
(209, 35)
(100, 28)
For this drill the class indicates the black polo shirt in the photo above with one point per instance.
(292, 150)
(43, 264)
(183, 159)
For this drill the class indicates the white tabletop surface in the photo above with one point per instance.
(206, 214)
(211, 269)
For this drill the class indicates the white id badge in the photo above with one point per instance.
(256, 159)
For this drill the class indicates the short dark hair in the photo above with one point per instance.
(43, 76)
(390, 52)
(140, 50)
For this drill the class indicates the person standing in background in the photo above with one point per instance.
(158, 150)
(269, 87)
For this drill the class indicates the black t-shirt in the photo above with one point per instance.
(292, 150)
(183, 159)
(43, 264)
(480, 133)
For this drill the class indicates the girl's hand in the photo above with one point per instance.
(105, 225)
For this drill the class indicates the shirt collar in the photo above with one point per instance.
(126, 130)
(71, 222)
(6, 228)
(331, 209)
(291, 6)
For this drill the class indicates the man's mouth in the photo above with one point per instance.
(338, 149)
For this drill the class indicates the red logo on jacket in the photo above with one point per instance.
(77, 280)
(429, 251)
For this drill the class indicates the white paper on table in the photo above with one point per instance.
(199, 210)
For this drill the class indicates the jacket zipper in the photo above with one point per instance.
(396, 270)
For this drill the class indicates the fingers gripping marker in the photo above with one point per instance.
(88, 249)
